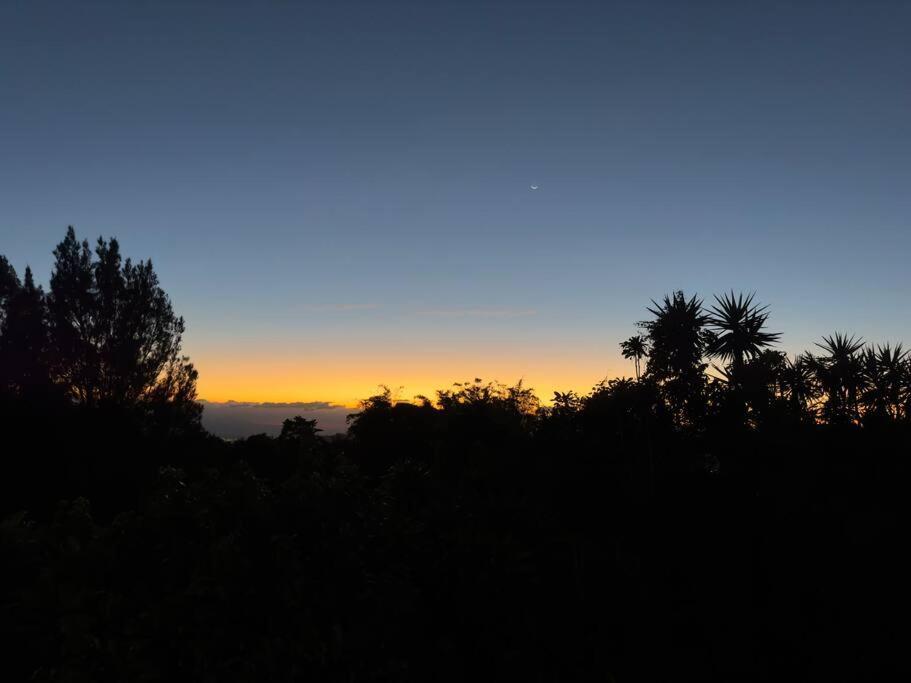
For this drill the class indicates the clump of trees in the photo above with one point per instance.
(844, 382)
(92, 367)
(105, 334)
(731, 513)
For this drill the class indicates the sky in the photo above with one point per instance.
(337, 195)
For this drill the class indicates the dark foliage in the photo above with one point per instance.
(685, 526)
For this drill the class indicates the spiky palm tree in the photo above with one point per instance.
(840, 377)
(884, 374)
(797, 386)
(905, 412)
(677, 341)
(738, 325)
(635, 349)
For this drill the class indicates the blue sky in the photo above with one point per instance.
(336, 187)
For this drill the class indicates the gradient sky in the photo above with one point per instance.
(336, 194)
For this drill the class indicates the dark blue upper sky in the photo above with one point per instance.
(354, 177)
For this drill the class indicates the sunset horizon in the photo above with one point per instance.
(338, 197)
(442, 341)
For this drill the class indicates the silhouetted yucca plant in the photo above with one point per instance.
(797, 384)
(738, 326)
(677, 343)
(840, 377)
(884, 375)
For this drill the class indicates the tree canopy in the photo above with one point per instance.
(105, 334)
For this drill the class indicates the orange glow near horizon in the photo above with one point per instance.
(344, 380)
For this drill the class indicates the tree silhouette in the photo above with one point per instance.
(840, 376)
(23, 340)
(884, 381)
(635, 348)
(797, 386)
(114, 336)
(9, 287)
(9, 283)
(677, 342)
(299, 430)
(737, 323)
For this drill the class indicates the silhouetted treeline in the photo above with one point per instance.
(730, 514)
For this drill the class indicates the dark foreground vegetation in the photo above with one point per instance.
(731, 514)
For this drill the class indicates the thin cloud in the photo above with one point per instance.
(324, 308)
(479, 313)
(296, 405)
